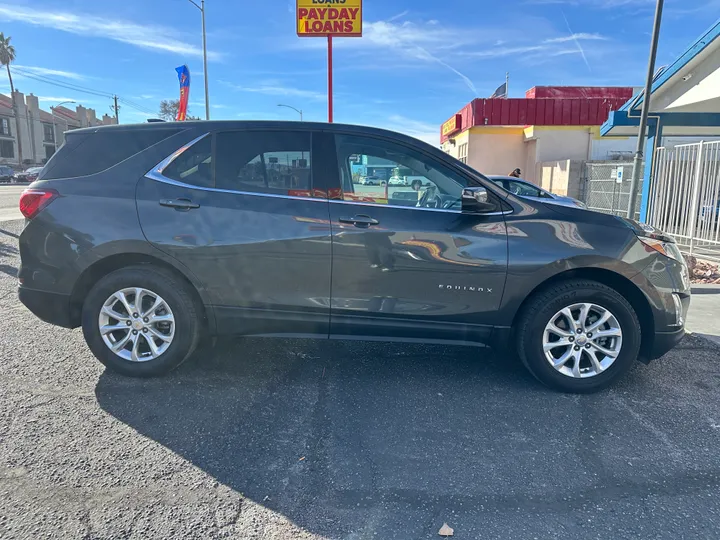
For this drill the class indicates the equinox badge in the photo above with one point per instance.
(465, 288)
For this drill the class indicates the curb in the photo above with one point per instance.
(705, 288)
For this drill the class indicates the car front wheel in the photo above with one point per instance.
(578, 336)
(141, 321)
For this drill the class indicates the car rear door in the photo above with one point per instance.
(405, 271)
(241, 210)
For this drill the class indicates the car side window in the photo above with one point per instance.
(523, 189)
(194, 165)
(382, 172)
(275, 162)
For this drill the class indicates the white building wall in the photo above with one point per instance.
(496, 153)
(698, 88)
(553, 145)
(608, 148)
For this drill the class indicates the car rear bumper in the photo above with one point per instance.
(53, 308)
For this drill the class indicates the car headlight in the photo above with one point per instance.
(668, 249)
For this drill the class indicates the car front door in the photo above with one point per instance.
(406, 262)
(241, 210)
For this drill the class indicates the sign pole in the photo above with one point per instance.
(330, 80)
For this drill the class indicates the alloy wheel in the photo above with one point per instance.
(582, 340)
(136, 324)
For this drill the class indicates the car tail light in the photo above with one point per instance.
(32, 201)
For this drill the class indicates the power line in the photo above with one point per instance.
(136, 106)
(62, 84)
(86, 90)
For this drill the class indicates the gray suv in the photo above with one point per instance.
(151, 236)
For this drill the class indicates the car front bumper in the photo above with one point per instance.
(664, 342)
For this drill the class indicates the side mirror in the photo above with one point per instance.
(475, 200)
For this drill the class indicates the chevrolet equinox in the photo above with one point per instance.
(151, 236)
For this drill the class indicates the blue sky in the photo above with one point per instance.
(417, 63)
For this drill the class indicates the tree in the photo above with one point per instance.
(7, 55)
(169, 109)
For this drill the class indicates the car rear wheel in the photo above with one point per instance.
(141, 321)
(578, 336)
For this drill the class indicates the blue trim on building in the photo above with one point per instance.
(696, 48)
(667, 119)
(652, 142)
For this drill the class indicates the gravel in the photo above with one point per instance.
(310, 439)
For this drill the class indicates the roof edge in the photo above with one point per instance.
(699, 45)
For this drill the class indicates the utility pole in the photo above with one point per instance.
(205, 66)
(637, 160)
(201, 7)
(116, 109)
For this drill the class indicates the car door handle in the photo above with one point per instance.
(360, 220)
(179, 204)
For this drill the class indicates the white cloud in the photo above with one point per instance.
(576, 41)
(427, 42)
(36, 70)
(151, 37)
(574, 37)
(58, 99)
(424, 131)
(503, 51)
(398, 16)
(605, 4)
(277, 90)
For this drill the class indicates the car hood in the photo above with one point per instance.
(562, 201)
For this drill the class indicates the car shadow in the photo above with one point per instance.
(10, 251)
(362, 439)
(8, 233)
(9, 270)
(337, 426)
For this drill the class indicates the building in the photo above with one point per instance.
(684, 106)
(41, 132)
(551, 123)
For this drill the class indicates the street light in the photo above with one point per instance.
(52, 111)
(293, 108)
(201, 7)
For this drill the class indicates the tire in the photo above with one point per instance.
(543, 308)
(178, 303)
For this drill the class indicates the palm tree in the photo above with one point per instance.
(7, 55)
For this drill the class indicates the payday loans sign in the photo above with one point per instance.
(336, 18)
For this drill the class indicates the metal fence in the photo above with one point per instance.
(607, 186)
(685, 196)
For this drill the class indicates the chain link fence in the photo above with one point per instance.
(607, 186)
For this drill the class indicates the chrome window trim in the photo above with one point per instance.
(160, 167)
(160, 178)
(156, 173)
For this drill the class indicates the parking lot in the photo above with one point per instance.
(308, 439)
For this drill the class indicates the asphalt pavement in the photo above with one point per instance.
(259, 438)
